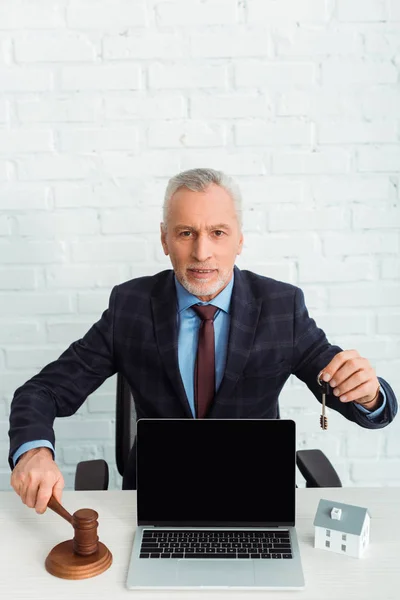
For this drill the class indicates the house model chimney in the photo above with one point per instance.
(336, 513)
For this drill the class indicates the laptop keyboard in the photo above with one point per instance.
(216, 544)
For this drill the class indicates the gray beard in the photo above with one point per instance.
(203, 289)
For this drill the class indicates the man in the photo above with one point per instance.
(150, 332)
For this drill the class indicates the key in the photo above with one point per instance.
(326, 388)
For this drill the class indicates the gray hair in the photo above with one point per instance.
(198, 180)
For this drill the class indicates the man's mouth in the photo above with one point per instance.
(201, 273)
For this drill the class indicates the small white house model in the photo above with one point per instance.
(342, 528)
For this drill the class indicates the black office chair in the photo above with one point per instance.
(93, 474)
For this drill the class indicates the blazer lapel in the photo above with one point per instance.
(245, 312)
(163, 302)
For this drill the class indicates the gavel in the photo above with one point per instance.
(83, 556)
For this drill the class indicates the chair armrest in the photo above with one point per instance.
(91, 475)
(316, 469)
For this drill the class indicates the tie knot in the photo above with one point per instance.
(206, 313)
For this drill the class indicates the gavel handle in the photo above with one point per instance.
(60, 510)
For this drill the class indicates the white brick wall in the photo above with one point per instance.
(101, 101)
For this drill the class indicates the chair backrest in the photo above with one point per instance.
(125, 423)
(313, 464)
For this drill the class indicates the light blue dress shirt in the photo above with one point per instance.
(188, 333)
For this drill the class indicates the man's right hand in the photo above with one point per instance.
(36, 477)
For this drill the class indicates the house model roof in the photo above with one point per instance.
(351, 518)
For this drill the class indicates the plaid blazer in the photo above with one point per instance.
(271, 336)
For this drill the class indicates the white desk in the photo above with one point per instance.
(26, 539)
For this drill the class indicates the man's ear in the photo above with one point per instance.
(240, 246)
(164, 244)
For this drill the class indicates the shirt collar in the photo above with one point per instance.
(186, 299)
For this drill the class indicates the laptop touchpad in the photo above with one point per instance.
(210, 572)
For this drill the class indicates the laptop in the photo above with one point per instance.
(215, 505)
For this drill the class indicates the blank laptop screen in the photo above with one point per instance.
(216, 472)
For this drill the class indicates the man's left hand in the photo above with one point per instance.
(353, 379)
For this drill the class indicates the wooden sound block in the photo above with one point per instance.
(65, 563)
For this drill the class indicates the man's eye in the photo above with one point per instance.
(219, 233)
(185, 233)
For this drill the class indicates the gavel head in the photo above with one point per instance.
(84, 522)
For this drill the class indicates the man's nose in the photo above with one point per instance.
(202, 250)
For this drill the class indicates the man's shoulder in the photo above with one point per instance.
(143, 286)
(261, 285)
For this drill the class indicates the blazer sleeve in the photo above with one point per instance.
(63, 385)
(312, 352)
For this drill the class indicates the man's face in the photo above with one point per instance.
(202, 239)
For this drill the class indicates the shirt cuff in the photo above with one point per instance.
(376, 413)
(30, 445)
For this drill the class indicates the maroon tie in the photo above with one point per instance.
(204, 376)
